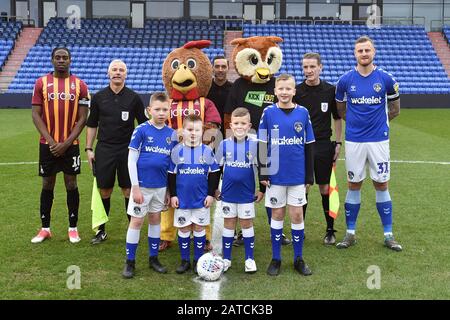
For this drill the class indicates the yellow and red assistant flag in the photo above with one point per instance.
(98, 210)
(334, 195)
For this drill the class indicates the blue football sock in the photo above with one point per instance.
(199, 243)
(132, 243)
(227, 243)
(384, 207)
(154, 232)
(184, 242)
(298, 233)
(352, 205)
(276, 232)
(249, 242)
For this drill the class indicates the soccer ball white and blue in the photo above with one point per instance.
(210, 266)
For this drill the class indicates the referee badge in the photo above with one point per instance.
(125, 115)
(324, 106)
(298, 126)
(377, 87)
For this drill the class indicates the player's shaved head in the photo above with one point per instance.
(364, 39)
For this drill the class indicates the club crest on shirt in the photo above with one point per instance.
(377, 87)
(168, 140)
(125, 115)
(298, 126)
(324, 106)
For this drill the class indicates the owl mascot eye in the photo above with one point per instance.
(256, 60)
(187, 75)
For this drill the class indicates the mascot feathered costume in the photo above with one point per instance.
(187, 75)
(256, 60)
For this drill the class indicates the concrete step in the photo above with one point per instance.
(6, 80)
(11, 68)
(8, 73)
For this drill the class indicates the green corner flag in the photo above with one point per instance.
(334, 195)
(98, 210)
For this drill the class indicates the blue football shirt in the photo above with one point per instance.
(239, 161)
(367, 110)
(154, 146)
(286, 135)
(192, 165)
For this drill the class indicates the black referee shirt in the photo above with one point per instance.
(321, 104)
(114, 115)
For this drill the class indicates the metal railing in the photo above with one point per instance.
(27, 21)
(438, 25)
(384, 21)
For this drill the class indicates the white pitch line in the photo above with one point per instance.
(395, 161)
(210, 290)
(415, 162)
(23, 163)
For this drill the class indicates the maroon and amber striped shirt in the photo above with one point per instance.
(60, 99)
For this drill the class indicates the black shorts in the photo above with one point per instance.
(110, 159)
(69, 163)
(323, 160)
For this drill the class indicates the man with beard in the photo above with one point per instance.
(367, 99)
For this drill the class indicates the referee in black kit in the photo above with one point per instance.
(112, 113)
(318, 96)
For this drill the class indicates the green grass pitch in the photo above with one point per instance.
(420, 193)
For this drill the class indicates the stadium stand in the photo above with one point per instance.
(8, 34)
(446, 31)
(102, 40)
(405, 51)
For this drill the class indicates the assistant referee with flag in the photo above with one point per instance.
(318, 96)
(113, 112)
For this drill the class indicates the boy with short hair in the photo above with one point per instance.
(287, 129)
(193, 178)
(237, 157)
(148, 164)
